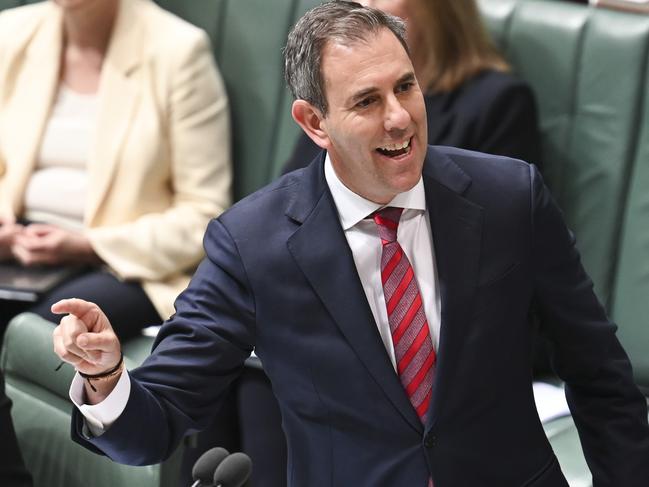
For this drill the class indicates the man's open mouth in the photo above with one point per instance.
(395, 150)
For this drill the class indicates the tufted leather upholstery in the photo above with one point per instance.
(41, 413)
(588, 68)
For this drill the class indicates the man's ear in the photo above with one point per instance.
(310, 119)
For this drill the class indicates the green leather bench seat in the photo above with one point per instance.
(565, 442)
(41, 413)
(630, 297)
(588, 69)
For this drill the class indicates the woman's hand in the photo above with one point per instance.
(8, 231)
(48, 244)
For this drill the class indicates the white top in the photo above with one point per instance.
(56, 190)
(414, 236)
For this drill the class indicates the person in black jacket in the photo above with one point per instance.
(473, 101)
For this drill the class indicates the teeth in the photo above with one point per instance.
(393, 147)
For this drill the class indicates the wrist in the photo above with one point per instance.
(110, 375)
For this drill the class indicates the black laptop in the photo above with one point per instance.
(18, 283)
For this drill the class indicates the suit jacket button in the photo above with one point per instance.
(429, 440)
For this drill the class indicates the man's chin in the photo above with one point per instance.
(405, 182)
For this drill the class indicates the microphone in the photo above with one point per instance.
(233, 471)
(203, 469)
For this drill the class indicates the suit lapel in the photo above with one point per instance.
(456, 225)
(32, 100)
(118, 97)
(320, 249)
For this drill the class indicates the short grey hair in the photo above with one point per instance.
(334, 21)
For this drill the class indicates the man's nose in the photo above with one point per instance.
(396, 116)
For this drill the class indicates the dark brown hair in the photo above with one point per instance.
(336, 21)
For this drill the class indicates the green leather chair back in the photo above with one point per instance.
(209, 15)
(9, 3)
(630, 300)
(249, 54)
(287, 131)
(586, 67)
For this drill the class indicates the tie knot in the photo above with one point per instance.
(387, 221)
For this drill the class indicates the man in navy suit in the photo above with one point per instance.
(386, 289)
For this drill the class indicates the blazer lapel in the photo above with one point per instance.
(118, 96)
(456, 225)
(320, 249)
(31, 102)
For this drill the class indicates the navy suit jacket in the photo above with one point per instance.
(280, 277)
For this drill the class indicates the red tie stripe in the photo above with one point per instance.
(413, 346)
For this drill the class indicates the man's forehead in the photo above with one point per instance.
(350, 45)
(365, 52)
(359, 40)
(375, 44)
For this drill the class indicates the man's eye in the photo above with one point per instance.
(404, 86)
(365, 102)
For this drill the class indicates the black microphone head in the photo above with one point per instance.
(207, 463)
(233, 471)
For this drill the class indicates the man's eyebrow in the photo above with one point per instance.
(359, 95)
(408, 77)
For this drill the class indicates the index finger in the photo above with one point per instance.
(74, 306)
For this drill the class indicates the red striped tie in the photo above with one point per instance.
(413, 346)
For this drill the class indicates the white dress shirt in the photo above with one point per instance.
(414, 236)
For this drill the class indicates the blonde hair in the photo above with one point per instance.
(450, 44)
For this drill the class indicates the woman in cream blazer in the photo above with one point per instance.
(158, 167)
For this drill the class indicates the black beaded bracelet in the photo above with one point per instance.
(104, 375)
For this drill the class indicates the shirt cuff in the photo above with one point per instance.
(99, 417)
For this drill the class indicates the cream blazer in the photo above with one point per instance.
(160, 165)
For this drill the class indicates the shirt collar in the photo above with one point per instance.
(352, 208)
